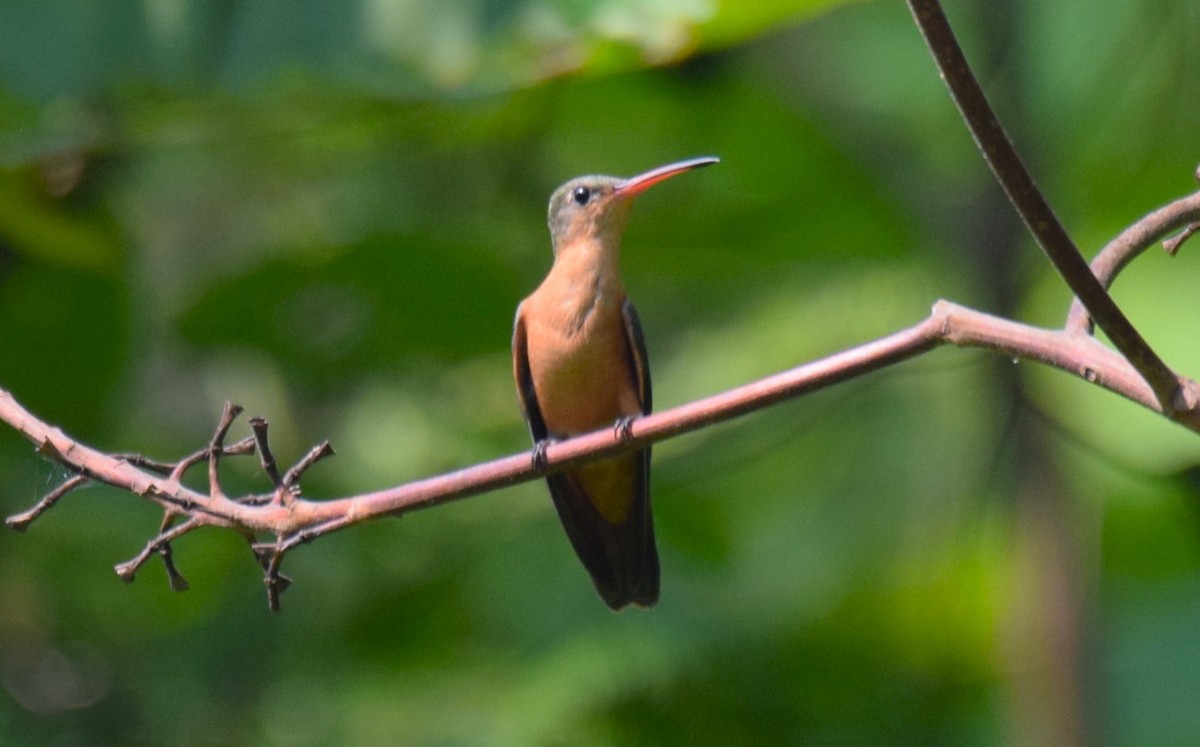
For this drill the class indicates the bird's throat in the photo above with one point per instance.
(585, 279)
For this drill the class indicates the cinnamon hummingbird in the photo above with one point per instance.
(580, 363)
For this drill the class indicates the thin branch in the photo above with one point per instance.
(146, 463)
(1130, 243)
(216, 447)
(1171, 245)
(20, 522)
(315, 454)
(266, 458)
(300, 521)
(1033, 208)
(949, 323)
(160, 545)
(305, 520)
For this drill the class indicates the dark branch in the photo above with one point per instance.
(266, 458)
(316, 454)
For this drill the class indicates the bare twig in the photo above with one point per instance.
(1131, 242)
(20, 522)
(215, 448)
(266, 458)
(316, 454)
(1037, 214)
(245, 446)
(160, 545)
(146, 463)
(1171, 245)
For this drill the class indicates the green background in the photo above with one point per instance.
(328, 213)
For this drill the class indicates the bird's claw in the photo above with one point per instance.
(623, 428)
(539, 454)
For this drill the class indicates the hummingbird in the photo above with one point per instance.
(579, 360)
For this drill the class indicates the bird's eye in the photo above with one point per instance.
(581, 195)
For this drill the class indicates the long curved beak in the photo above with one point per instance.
(637, 184)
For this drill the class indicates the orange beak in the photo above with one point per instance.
(635, 185)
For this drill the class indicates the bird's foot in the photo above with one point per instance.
(539, 454)
(623, 428)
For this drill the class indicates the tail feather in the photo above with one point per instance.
(621, 557)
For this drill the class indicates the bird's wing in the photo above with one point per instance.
(524, 379)
(637, 353)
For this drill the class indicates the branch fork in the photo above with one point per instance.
(183, 509)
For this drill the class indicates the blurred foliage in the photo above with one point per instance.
(328, 213)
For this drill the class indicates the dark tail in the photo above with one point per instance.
(621, 557)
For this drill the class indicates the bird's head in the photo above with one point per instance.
(597, 207)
